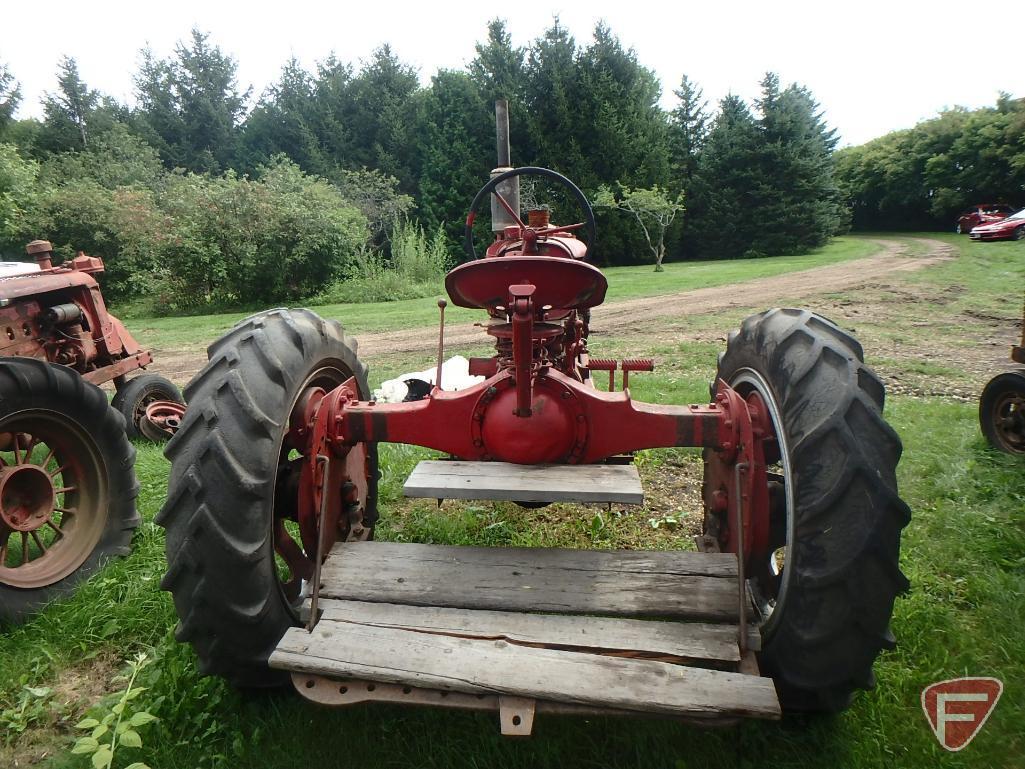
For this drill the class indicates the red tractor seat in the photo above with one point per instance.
(560, 283)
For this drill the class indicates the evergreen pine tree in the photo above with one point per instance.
(377, 110)
(797, 205)
(620, 127)
(190, 106)
(68, 111)
(332, 112)
(688, 126)
(728, 170)
(283, 121)
(455, 146)
(10, 97)
(499, 72)
(552, 100)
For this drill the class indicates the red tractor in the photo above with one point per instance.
(67, 481)
(272, 504)
(58, 314)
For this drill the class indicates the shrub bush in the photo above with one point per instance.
(416, 269)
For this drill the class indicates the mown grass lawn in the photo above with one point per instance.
(624, 283)
(964, 552)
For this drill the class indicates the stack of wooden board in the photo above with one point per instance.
(523, 629)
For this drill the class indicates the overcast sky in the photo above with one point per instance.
(874, 66)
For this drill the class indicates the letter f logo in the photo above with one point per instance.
(958, 708)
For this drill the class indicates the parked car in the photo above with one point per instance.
(983, 213)
(1011, 228)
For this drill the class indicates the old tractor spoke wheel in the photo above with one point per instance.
(67, 488)
(823, 568)
(134, 398)
(1002, 412)
(242, 524)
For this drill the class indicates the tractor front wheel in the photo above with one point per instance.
(827, 579)
(1002, 412)
(136, 394)
(237, 566)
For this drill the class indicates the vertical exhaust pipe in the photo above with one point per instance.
(510, 188)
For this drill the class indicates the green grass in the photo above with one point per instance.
(964, 552)
(624, 283)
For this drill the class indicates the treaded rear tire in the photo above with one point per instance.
(221, 491)
(31, 384)
(847, 516)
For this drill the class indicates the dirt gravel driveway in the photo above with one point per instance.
(633, 313)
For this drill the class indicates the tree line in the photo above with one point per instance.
(194, 193)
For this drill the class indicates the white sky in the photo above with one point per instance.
(874, 66)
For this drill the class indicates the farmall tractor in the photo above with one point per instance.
(57, 314)
(272, 505)
(67, 481)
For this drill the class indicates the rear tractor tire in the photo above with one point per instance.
(67, 484)
(136, 394)
(232, 491)
(826, 585)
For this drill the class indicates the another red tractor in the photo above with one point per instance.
(272, 504)
(57, 313)
(67, 481)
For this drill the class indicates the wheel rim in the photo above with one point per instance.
(161, 420)
(53, 498)
(1008, 420)
(293, 563)
(769, 589)
(139, 414)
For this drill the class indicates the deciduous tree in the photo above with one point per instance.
(654, 210)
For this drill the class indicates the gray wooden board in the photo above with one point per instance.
(754, 637)
(469, 665)
(449, 479)
(676, 585)
(680, 640)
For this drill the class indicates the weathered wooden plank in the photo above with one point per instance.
(352, 691)
(679, 641)
(452, 479)
(475, 666)
(622, 583)
(625, 563)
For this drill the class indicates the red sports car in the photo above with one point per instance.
(1011, 228)
(983, 213)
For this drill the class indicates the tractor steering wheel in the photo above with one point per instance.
(491, 187)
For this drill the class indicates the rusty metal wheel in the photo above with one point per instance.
(161, 420)
(136, 396)
(1002, 412)
(67, 486)
(243, 514)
